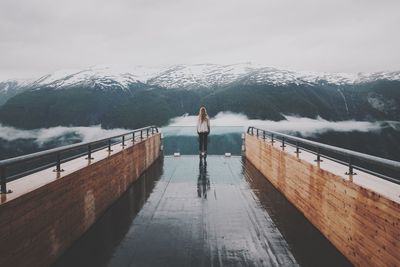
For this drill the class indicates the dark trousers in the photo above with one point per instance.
(203, 142)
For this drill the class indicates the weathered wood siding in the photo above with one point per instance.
(362, 224)
(35, 228)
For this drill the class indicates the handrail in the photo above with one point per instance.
(349, 154)
(4, 164)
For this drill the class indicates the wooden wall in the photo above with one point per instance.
(37, 227)
(362, 224)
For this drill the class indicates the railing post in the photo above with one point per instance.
(89, 155)
(133, 137)
(257, 132)
(283, 143)
(109, 146)
(272, 139)
(152, 130)
(58, 163)
(141, 135)
(351, 170)
(123, 141)
(147, 133)
(318, 155)
(297, 148)
(3, 181)
(252, 130)
(264, 135)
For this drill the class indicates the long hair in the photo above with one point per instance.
(203, 114)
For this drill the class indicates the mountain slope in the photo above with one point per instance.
(118, 98)
(9, 89)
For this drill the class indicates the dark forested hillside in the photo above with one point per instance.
(144, 104)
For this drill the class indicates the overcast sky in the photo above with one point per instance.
(41, 36)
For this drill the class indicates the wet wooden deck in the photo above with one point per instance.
(219, 213)
(202, 215)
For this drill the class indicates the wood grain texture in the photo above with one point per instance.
(37, 226)
(362, 224)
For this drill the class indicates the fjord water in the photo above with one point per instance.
(184, 140)
(185, 211)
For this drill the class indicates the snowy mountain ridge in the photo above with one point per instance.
(192, 76)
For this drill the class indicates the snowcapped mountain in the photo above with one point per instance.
(200, 76)
(102, 77)
(191, 76)
(121, 97)
(11, 88)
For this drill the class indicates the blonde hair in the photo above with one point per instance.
(203, 116)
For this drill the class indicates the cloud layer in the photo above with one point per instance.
(223, 122)
(42, 136)
(227, 121)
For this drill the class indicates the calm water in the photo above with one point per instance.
(220, 141)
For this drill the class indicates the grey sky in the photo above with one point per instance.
(37, 37)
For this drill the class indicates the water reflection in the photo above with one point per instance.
(203, 181)
(185, 140)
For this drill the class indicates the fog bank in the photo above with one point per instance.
(223, 122)
(292, 124)
(44, 135)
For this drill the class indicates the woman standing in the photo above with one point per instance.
(203, 129)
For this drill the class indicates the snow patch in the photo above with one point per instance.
(198, 76)
(380, 103)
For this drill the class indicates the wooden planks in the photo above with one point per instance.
(362, 224)
(38, 225)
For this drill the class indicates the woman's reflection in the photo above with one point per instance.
(203, 182)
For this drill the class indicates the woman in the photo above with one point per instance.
(203, 129)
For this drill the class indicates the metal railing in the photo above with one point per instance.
(59, 154)
(337, 154)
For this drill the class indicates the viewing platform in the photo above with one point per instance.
(260, 198)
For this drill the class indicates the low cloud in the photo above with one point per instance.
(304, 126)
(44, 135)
(223, 122)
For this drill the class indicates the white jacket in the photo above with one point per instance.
(203, 126)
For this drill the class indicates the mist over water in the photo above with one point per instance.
(373, 138)
(223, 122)
(293, 124)
(44, 135)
